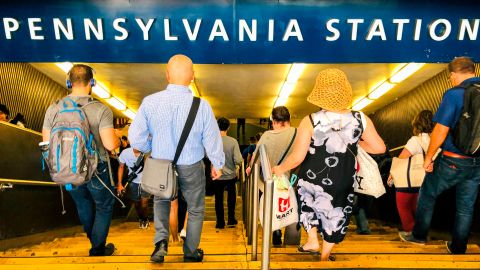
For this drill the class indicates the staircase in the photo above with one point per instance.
(227, 249)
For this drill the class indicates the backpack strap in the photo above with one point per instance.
(186, 129)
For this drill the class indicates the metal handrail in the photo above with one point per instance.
(252, 199)
(27, 182)
(21, 128)
(8, 183)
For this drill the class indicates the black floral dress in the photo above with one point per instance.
(326, 176)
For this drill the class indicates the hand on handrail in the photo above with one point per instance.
(390, 180)
(277, 170)
(248, 170)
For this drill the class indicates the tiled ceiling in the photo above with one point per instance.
(246, 91)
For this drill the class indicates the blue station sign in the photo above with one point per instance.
(233, 32)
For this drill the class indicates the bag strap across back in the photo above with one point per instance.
(186, 129)
(288, 148)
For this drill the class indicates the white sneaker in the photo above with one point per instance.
(183, 234)
(144, 224)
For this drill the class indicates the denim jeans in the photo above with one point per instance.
(95, 206)
(448, 172)
(191, 181)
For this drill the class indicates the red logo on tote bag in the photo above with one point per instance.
(283, 204)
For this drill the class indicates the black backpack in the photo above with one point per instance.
(466, 134)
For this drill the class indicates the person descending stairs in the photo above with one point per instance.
(227, 249)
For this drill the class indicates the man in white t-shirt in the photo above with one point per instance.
(140, 198)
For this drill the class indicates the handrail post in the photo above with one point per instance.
(243, 192)
(267, 223)
(249, 208)
(254, 222)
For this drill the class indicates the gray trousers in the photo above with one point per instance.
(191, 181)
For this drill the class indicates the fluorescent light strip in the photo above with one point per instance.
(287, 89)
(65, 66)
(289, 84)
(406, 71)
(281, 101)
(102, 92)
(380, 90)
(129, 113)
(194, 89)
(295, 72)
(116, 103)
(364, 102)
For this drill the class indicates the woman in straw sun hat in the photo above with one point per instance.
(326, 146)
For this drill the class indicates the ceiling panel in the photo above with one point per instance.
(246, 91)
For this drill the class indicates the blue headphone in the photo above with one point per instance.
(69, 83)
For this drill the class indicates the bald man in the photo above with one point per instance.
(162, 117)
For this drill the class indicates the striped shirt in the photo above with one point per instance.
(159, 123)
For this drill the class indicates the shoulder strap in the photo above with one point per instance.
(419, 141)
(186, 129)
(311, 120)
(288, 148)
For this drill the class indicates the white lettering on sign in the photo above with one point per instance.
(121, 29)
(466, 26)
(145, 27)
(66, 31)
(400, 23)
(96, 30)
(192, 35)
(10, 25)
(271, 25)
(293, 30)
(445, 30)
(166, 29)
(218, 30)
(418, 28)
(376, 29)
(355, 23)
(333, 30)
(34, 28)
(251, 30)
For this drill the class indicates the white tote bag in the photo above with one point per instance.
(368, 180)
(285, 209)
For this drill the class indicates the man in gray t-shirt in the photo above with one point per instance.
(93, 199)
(233, 158)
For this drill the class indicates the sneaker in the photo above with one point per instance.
(408, 237)
(366, 232)
(447, 244)
(160, 251)
(232, 223)
(183, 234)
(144, 224)
(277, 238)
(109, 250)
(198, 257)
